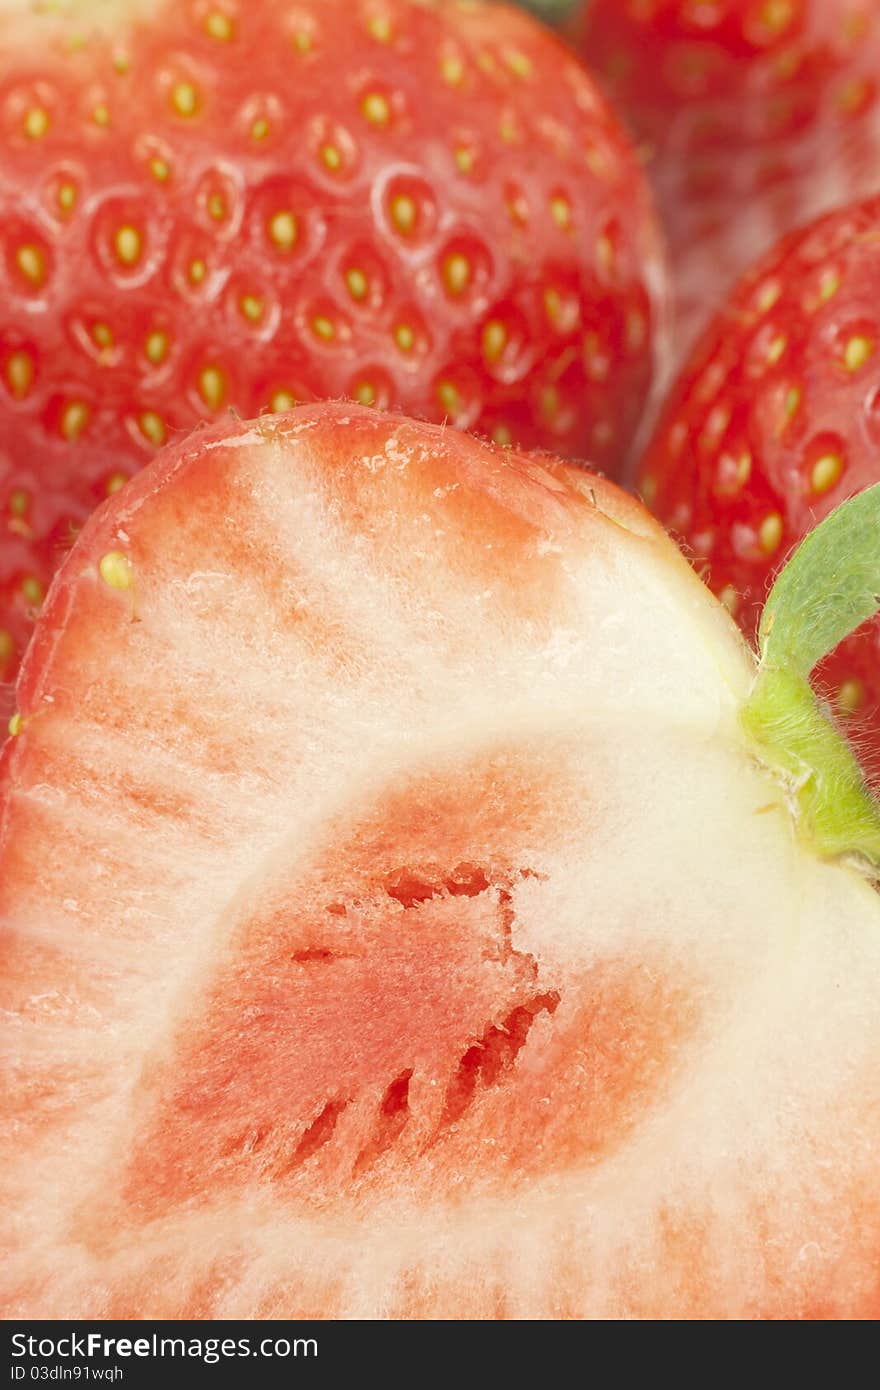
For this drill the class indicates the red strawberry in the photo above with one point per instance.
(390, 927)
(776, 419)
(761, 114)
(236, 206)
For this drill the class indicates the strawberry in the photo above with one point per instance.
(761, 114)
(776, 419)
(410, 911)
(211, 206)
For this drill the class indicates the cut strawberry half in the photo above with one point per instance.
(398, 919)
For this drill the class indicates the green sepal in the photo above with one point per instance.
(829, 587)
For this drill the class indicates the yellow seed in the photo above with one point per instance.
(185, 99)
(101, 115)
(218, 26)
(217, 207)
(156, 347)
(36, 123)
(251, 307)
(776, 349)
(102, 336)
(116, 570)
(19, 502)
(128, 245)
(518, 63)
(829, 285)
(282, 400)
(452, 70)
(404, 213)
(365, 393)
(826, 472)
(212, 387)
(122, 63)
(464, 159)
(507, 130)
(743, 468)
(404, 337)
(375, 109)
(550, 402)
(792, 402)
(449, 397)
(7, 646)
(457, 272)
(74, 419)
(152, 428)
(66, 197)
(357, 283)
(857, 351)
(323, 327)
(854, 95)
(260, 128)
(770, 533)
(331, 157)
(160, 170)
(302, 41)
(115, 483)
(33, 591)
(768, 296)
(20, 373)
(560, 210)
(776, 14)
(501, 435)
(518, 210)
(197, 271)
(14, 725)
(850, 697)
(380, 29)
(636, 330)
(283, 230)
(31, 261)
(553, 305)
(605, 253)
(494, 340)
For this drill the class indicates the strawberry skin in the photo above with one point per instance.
(758, 114)
(218, 206)
(774, 421)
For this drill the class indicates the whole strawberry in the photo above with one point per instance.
(215, 206)
(774, 421)
(758, 115)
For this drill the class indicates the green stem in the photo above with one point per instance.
(829, 587)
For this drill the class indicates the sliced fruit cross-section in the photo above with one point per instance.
(396, 921)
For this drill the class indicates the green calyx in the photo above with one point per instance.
(829, 587)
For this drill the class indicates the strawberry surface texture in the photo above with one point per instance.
(773, 422)
(208, 207)
(756, 116)
(397, 921)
